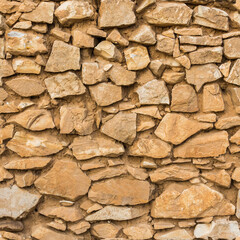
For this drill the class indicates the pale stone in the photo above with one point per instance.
(27, 144)
(116, 38)
(234, 92)
(172, 77)
(53, 183)
(40, 27)
(188, 48)
(6, 69)
(211, 144)
(236, 138)
(168, 14)
(63, 57)
(186, 223)
(184, 61)
(176, 128)
(80, 227)
(74, 11)
(179, 202)
(2, 48)
(60, 34)
(3, 94)
(137, 58)
(140, 231)
(206, 117)
(160, 224)
(138, 173)
(93, 31)
(25, 179)
(225, 68)
(144, 123)
(23, 25)
(144, 4)
(6, 132)
(81, 39)
(11, 225)
(16, 203)
(179, 234)
(235, 19)
(57, 224)
(25, 65)
(105, 230)
(157, 67)
(233, 77)
(227, 122)
(231, 34)
(116, 13)
(4, 175)
(95, 145)
(152, 111)
(202, 41)
(231, 49)
(186, 31)
(165, 44)
(199, 75)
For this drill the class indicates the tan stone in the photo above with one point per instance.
(231, 50)
(60, 34)
(176, 128)
(226, 122)
(93, 31)
(165, 44)
(233, 77)
(53, 183)
(14, 106)
(57, 224)
(184, 61)
(25, 65)
(138, 173)
(13, 19)
(187, 48)
(27, 144)
(82, 40)
(174, 235)
(6, 132)
(4, 175)
(206, 117)
(186, 31)
(6, 69)
(144, 4)
(144, 123)
(9, 7)
(116, 38)
(234, 92)
(235, 19)
(212, 98)
(105, 230)
(80, 227)
(168, 14)
(202, 41)
(225, 68)
(152, 111)
(211, 144)
(40, 27)
(63, 57)
(95, 145)
(157, 67)
(2, 48)
(236, 138)
(140, 231)
(172, 77)
(25, 179)
(160, 224)
(3, 94)
(11, 225)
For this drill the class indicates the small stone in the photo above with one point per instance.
(11, 225)
(13, 19)
(144, 123)
(235, 20)
(231, 34)
(6, 69)
(40, 27)
(6, 132)
(187, 48)
(186, 31)
(206, 117)
(172, 77)
(24, 25)
(174, 235)
(80, 227)
(60, 34)
(184, 61)
(202, 41)
(152, 111)
(236, 138)
(144, 4)
(93, 31)
(227, 122)
(4, 175)
(3, 94)
(165, 44)
(116, 38)
(57, 224)
(25, 65)
(234, 92)
(225, 68)
(25, 179)
(231, 50)
(233, 77)
(157, 67)
(2, 48)
(82, 40)
(186, 223)
(140, 231)
(137, 173)
(105, 230)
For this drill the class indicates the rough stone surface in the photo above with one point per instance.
(142, 231)
(233, 76)
(231, 50)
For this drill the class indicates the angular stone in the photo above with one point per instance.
(211, 144)
(165, 44)
(168, 14)
(27, 144)
(2, 48)
(4, 175)
(202, 41)
(211, 17)
(101, 90)
(94, 146)
(227, 122)
(206, 117)
(174, 235)
(179, 202)
(25, 65)
(105, 230)
(236, 138)
(231, 49)
(152, 111)
(184, 99)
(186, 31)
(25, 179)
(16, 203)
(9, 6)
(60, 34)
(80, 227)
(199, 75)
(74, 11)
(11, 225)
(144, 123)
(183, 128)
(184, 61)
(26, 86)
(23, 25)
(234, 75)
(63, 57)
(116, 13)
(153, 92)
(6, 69)
(234, 92)
(157, 67)
(138, 173)
(171, 77)
(6, 132)
(140, 231)
(25, 43)
(116, 38)
(188, 48)
(3, 94)
(93, 31)
(82, 39)
(51, 183)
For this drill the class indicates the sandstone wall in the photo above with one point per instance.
(119, 119)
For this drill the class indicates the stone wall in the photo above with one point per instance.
(119, 119)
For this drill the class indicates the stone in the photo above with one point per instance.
(187, 48)
(80, 227)
(153, 92)
(137, 58)
(6, 132)
(116, 13)
(63, 57)
(11, 225)
(184, 61)
(51, 183)
(199, 75)
(33, 119)
(4, 175)
(231, 50)
(152, 111)
(171, 77)
(81, 39)
(144, 123)
(6, 69)
(227, 122)
(140, 231)
(165, 44)
(27, 144)
(25, 65)
(93, 31)
(206, 55)
(43, 13)
(168, 14)
(178, 202)
(3, 94)
(234, 92)
(206, 117)
(2, 48)
(202, 41)
(174, 172)
(138, 173)
(16, 202)
(101, 90)
(57, 224)
(25, 179)
(74, 11)
(210, 144)
(25, 43)
(157, 67)
(186, 31)
(95, 145)
(120, 191)
(60, 34)
(116, 38)
(160, 224)
(40, 27)
(233, 77)
(174, 235)
(144, 4)
(26, 86)
(178, 122)
(121, 127)
(105, 230)
(9, 7)
(211, 17)
(234, 17)
(65, 84)
(236, 138)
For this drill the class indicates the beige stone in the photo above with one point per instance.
(3, 94)
(206, 117)
(174, 235)
(25, 65)
(81, 39)
(6, 69)
(202, 41)
(186, 31)
(236, 138)
(80, 227)
(9, 7)
(144, 123)
(60, 34)
(4, 175)
(93, 31)
(234, 92)
(6, 132)
(140, 231)
(40, 27)
(157, 67)
(233, 77)
(138, 173)
(172, 77)
(226, 122)
(116, 38)
(2, 48)
(57, 224)
(25, 179)
(165, 44)
(231, 50)
(235, 19)
(152, 111)
(160, 224)
(11, 225)
(184, 61)
(187, 48)
(105, 230)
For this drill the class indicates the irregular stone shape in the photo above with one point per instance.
(234, 75)
(211, 17)
(138, 173)
(234, 92)
(206, 55)
(28, 163)
(27, 144)
(157, 67)
(5, 175)
(25, 65)
(176, 128)
(153, 92)
(172, 77)
(121, 127)
(9, 7)
(179, 234)
(144, 4)
(236, 177)
(236, 138)
(116, 38)
(231, 49)
(63, 57)
(23, 25)
(105, 230)
(26, 86)
(211, 144)
(174, 172)
(80, 227)
(199, 75)
(6, 132)
(178, 201)
(101, 90)
(11, 225)
(212, 98)
(202, 41)
(184, 61)
(227, 122)
(53, 183)
(152, 111)
(43, 13)
(74, 11)
(149, 146)
(140, 231)
(238, 205)
(16, 203)
(218, 229)
(116, 213)
(94, 146)
(33, 119)
(60, 34)
(165, 44)
(116, 13)
(184, 99)
(168, 14)
(25, 179)
(25, 43)
(6, 69)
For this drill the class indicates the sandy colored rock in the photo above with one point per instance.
(16, 203)
(152, 111)
(11, 225)
(168, 14)
(186, 31)
(9, 7)
(234, 74)
(6, 69)
(227, 122)
(25, 65)
(234, 92)
(60, 34)
(184, 61)
(51, 183)
(202, 41)
(116, 13)
(171, 77)
(80, 227)
(3, 94)
(165, 44)
(231, 50)
(187, 48)
(236, 138)
(4, 175)
(25, 179)
(6, 132)
(157, 67)
(210, 144)
(140, 231)
(171, 128)
(82, 39)
(105, 230)
(236, 174)
(138, 173)
(144, 123)
(174, 235)
(116, 38)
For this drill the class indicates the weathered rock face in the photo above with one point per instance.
(142, 231)
(233, 76)
(231, 50)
